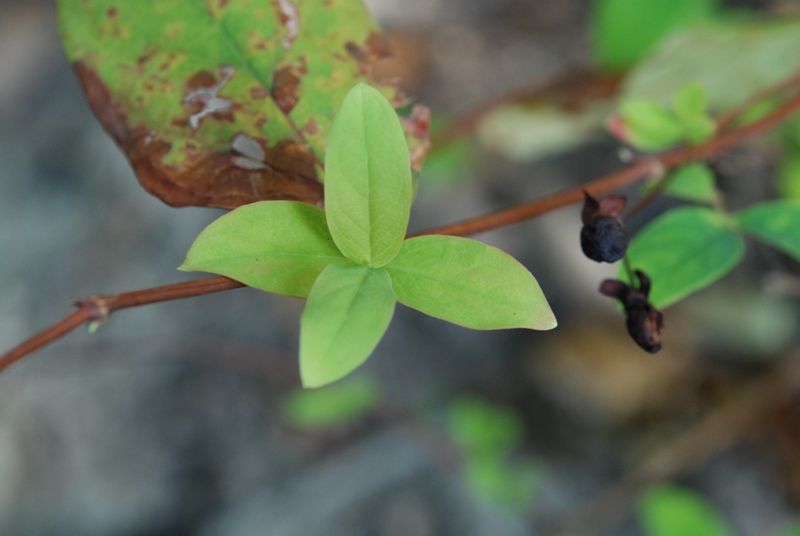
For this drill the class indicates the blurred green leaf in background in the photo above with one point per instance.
(675, 511)
(333, 405)
(486, 436)
(776, 223)
(693, 182)
(625, 30)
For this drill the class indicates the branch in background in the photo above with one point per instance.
(571, 91)
(98, 309)
(734, 114)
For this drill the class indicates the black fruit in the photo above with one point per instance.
(644, 322)
(603, 237)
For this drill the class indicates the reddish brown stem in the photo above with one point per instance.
(614, 181)
(98, 309)
(519, 213)
(735, 113)
(46, 336)
(115, 302)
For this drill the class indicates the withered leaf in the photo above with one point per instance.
(223, 102)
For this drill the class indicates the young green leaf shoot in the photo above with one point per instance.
(352, 261)
(368, 178)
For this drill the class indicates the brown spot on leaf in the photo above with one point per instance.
(205, 100)
(377, 46)
(374, 48)
(146, 56)
(356, 51)
(213, 178)
(201, 79)
(367, 55)
(417, 125)
(285, 85)
(418, 154)
(311, 128)
(259, 92)
(112, 12)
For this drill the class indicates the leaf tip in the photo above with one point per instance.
(545, 321)
(311, 378)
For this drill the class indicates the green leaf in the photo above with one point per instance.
(650, 126)
(690, 102)
(183, 85)
(789, 174)
(368, 178)
(486, 435)
(775, 222)
(698, 129)
(694, 182)
(691, 109)
(729, 61)
(347, 313)
(503, 482)
(333, 405)
(625, 30)
(682, 251)
(674, 511)
(276, 246)
(468, 283)
(478, 427)
(794, 531)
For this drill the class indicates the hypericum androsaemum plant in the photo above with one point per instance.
(229, 104)
(352, 261)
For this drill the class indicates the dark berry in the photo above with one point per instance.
(604, 239)
(644, 326)
(644, 322)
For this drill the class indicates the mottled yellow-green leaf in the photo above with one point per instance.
(222, 102)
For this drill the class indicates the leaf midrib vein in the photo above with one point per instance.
(454, 284)
(236, 51)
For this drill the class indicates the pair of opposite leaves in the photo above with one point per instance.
(352, 260)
